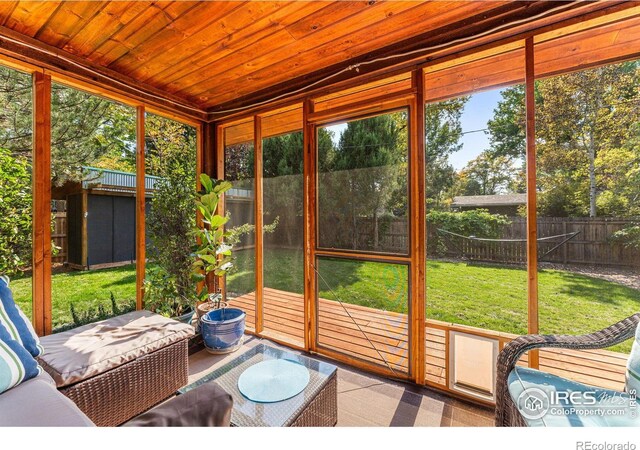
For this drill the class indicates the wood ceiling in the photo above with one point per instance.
(210, 54)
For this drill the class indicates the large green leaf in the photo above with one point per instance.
(222, 187)
(206, 182)
(217, 221)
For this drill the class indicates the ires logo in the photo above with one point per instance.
(535, 403)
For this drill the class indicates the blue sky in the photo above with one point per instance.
(477, 111)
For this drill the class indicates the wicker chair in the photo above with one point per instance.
(507, 413)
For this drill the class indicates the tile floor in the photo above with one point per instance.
(368, 400)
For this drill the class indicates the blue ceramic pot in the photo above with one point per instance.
(222, 329)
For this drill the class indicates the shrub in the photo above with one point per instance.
(477, 222)
(171, 218)
(93, 315)
(15, 210)
(629, 236)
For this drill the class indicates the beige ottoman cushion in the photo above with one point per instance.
(90, 350)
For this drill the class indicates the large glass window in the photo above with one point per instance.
(476, 203)
(93, 179)
(476, 200)
(363, 310)
(170, 182)
(362, 185)
(588, 179)
(362, 200)
(16, 158)
(239, 169)
(282, 193)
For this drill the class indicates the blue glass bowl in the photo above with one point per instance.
(223, 328)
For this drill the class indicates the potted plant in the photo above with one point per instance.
(221, 327)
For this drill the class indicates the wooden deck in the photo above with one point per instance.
(386, 340)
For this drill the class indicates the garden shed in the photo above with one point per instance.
(101, 218)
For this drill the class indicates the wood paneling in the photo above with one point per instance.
(382, 24)
(588, 48)
(239, 133)
(364, 92)
(286, 120)
(212, 53)
(494, 70)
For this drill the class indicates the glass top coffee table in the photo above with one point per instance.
(316, 405)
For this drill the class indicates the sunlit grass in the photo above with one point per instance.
(481, 295)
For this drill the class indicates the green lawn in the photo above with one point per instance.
(485, 296)
(84, 289)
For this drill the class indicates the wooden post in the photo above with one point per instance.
(209, 150)
(200, 150)
(309, 232)
(41, 190)
(140, 207)
(417, 215)
(257, 200)
(214, 154)
(532, 226)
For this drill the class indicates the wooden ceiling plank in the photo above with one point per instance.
(164, 44)
(143, 27)
(388, 30)
(572, 13)
(483, 20)
(216, 31)
(327, 17)
(250, 35)
(28, 17)
(108, 21)
(246, 61)
(68, 19)
(77, 71)
(6, 9)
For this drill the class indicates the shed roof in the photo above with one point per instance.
(490, 200)
(114, 180)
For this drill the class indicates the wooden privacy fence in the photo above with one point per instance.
(592, 243)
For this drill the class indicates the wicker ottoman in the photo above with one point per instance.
(117, 368)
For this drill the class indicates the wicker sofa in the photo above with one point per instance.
(114, 372)
(507, 412)
(37, 403)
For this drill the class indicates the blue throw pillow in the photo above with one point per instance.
(16, 364)
(633, 367)
(15, 323)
